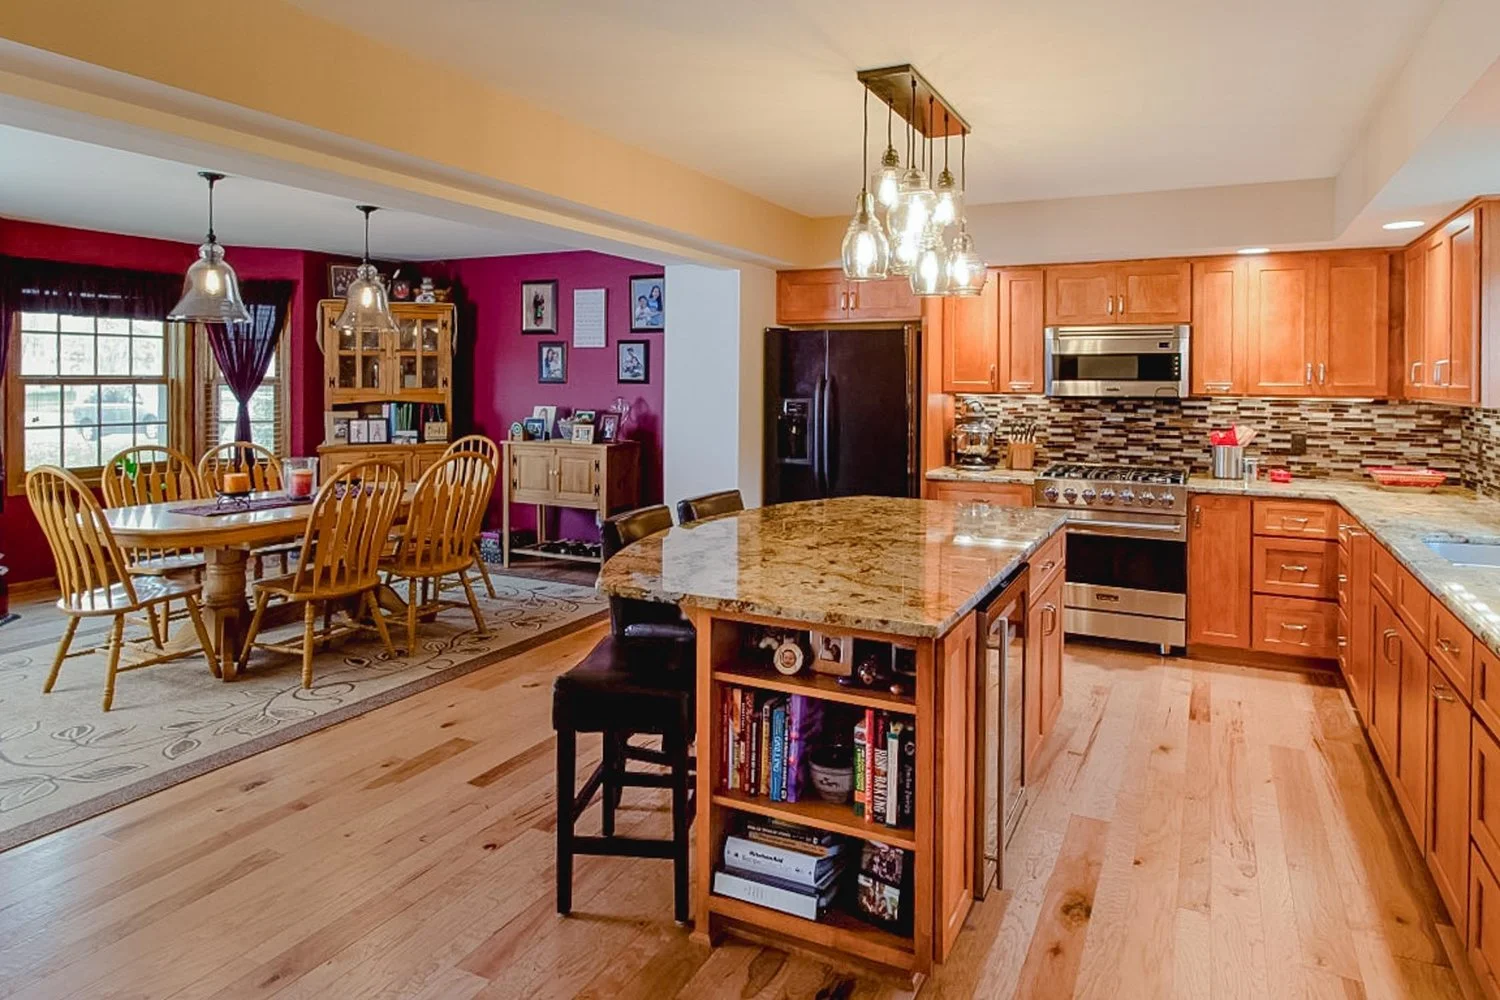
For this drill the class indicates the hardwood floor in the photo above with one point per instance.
(1202, 831)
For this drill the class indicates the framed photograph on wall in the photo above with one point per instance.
(648, 303)
(552, 362)
(339, 278)
(634, 361)
(539, 307)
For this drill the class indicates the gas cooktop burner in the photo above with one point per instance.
(1117, 473)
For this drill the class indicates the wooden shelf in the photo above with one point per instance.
(836, 817)
(837, 930)
(565, 556)
(817, 686)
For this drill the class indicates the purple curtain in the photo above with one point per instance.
(244, 350)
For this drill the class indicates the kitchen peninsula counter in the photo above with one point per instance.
(888, 580)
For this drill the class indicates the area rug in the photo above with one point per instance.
(64, 759)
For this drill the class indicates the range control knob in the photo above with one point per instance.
(1148, 498)
(1088, 495)
(1168, 498)
(1070, 494)
(1050, 492)
(1127, 496)
(1108, 496)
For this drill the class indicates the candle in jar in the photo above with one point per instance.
(302, 482)
(236, 482)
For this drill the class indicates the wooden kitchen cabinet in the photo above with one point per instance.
(1449, 725)
(1219, 571)
(994, 494)
(1296, 519)
(1484, 923)
(1399, 698)
(1140, 291)
(1353, 324)
(1282, 317)
(1443, 291)
(971, 342)
(824, 295)
(1022, 294)
(1355, 596)
(1296, 567)
(1043, 676)
(1414, 326)
(1484, 790)
(1292, 626)
(1220, 320)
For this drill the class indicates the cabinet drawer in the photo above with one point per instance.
(1484, 792)
(1295, 627)
(1451, 646)
(1047, 561)
(1345, 595)
(995, 494)
(1296, 567)
(1383, 571)
(1411, 603)
(1484, 922)
(1485, 693)
(1292, 519)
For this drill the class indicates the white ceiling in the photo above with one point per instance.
(1067, 98)
(67, 182)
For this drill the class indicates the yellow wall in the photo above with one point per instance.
(269, 57)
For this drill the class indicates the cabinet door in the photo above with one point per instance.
(1052, 655)
(1043, 674)
(1283, 297)
(1384, 721)
(531, 473)
(971, 345)
(1154, 291)
(1354, 324)
(1410, 778)
(577, 475)
(1220, 316)
(1448, 729)
(1219, 570)
(1415, 372)
(1354, 606)
(1081, 295)
(820, 296)
(1460, 375)
(1437, 317)
(1484, 790)
(1022, 293)
(877, 300)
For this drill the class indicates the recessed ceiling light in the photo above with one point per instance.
(1405, 224)
(1249, 250)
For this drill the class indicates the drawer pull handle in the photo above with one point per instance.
(1385, 644)
(1443, 692)
(1293, 569)
(1294, 627)
(1048, 565)
(1343, 578)
(1294, 520)
(1343, 642)
(1447, 646)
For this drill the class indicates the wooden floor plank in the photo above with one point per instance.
(1057, 943)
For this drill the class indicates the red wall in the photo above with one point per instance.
(505, 386)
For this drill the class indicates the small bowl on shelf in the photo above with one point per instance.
(832, 769)
(1407, 478)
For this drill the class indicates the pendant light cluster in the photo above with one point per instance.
(211, 290)
(913, 237)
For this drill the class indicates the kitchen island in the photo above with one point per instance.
(893, 578)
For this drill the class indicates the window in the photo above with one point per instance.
(89, 388)
(267, 405)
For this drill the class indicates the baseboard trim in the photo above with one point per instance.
(1259, 658)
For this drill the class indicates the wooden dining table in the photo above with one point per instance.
(227, 541)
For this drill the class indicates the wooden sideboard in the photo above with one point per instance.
(604, 478)
(413, 459)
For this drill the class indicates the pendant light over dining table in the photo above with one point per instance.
(367, 308)
(210, 289)
(917, 215)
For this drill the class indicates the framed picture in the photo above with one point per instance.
(539, 307)
(339, 278)
(648, 303)
(379, 432)
(359, 431)
(583, 433)
(634, 361)
(584, 416)
(609, 427)
(534, 428)
(548, 416)
(552, 362)
(517, 431)
(832, 654)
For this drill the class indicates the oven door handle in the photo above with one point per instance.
(1117, 527)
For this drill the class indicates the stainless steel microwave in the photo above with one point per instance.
(1117, 361)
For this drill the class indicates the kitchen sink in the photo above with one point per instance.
(1468, 553)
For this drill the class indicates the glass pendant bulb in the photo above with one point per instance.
(867, 253)
(914, 204)
(366, 305)
(886, 181)
(929, 274)
(210, 289)
(966, 270)
(947, 200)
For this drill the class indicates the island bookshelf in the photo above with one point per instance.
(939, 840)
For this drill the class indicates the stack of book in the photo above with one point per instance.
(766, 739)
(783, 866)
(885, 768)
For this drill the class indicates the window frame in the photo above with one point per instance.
(208, 378)
(175, 363)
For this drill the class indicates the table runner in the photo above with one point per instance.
(220, 509)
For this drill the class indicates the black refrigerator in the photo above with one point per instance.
(841, 413)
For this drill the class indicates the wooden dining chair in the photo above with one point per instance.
(438, 538)
(94, 577)
(478, 444)
(266, 476)
(347, 532)
(149, 474)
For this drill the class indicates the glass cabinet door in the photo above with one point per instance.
(419, 351)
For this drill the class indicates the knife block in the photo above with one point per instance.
(1021, 455)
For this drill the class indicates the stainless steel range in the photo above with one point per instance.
(1127, 550)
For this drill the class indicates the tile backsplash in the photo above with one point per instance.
(1341, 436)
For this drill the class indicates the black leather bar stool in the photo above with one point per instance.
(709, 505)
(639, 680)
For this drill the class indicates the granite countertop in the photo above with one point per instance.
(902, 567)
(969, 474)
